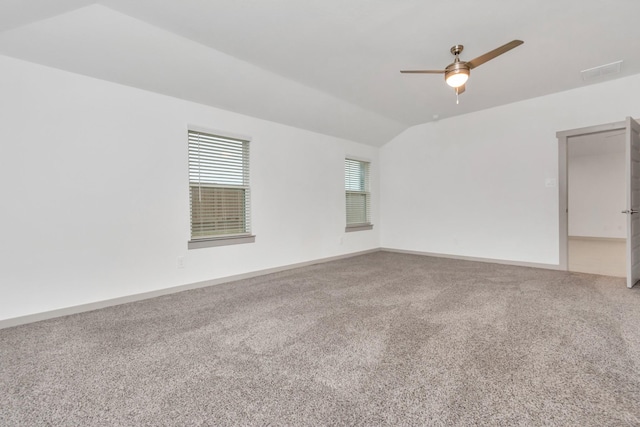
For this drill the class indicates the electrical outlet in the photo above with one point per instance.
(180, 262)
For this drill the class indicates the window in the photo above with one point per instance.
(356, 183)
(218, 190)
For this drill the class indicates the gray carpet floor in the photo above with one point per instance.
(378, 339)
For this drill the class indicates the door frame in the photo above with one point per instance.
(563, 201)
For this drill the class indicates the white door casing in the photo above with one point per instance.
(632, 178)
(563, 139)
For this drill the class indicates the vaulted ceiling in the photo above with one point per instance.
(330, 66)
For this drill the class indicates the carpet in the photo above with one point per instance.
(377, 339)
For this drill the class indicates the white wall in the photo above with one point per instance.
(475, 185)
(93, 177)
(596, 187)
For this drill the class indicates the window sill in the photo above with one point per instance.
(220, 241)
(358, 227)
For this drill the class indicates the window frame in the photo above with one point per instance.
(223, 239)
(368, 224)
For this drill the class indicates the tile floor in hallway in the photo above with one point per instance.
(606, 256)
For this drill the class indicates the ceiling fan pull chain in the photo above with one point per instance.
(457, 100)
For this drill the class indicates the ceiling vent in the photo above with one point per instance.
(601, 71)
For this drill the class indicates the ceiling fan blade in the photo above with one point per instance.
(460, 89)
(423, 71)
(495, 52)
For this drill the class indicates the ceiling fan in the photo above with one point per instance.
(457, 73)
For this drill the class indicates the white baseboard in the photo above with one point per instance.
(36, 317)
(470, 258)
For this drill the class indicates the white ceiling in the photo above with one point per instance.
(330, 66)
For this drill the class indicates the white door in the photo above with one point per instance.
(633, 201)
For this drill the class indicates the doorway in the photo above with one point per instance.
(597, 230)
(630, 129)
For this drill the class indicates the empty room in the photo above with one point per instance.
(356, 212)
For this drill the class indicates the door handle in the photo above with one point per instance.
(630, 211)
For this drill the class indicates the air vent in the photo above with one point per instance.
(601, 71)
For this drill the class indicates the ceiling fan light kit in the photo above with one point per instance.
(457, 77)
(457, 73)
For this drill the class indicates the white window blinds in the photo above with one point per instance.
(219, 186)
(356, 182)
